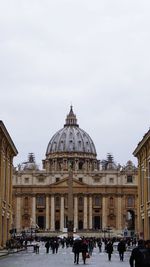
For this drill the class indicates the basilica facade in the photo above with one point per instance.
(104, 194)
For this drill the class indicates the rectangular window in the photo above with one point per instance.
(66, 202)
(26, 201)
(111, 201)
(130, 201)
(97, 180)
(111, 180)
(97, 201)
(57, 202)
(26, 180)
(40, 201)
(129, 179)
(80, 201)
(40, 180)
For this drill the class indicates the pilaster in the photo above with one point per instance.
(85, 213)
(47, 212)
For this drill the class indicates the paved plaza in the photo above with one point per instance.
(63, 258)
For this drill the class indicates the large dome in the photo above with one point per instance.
(71, 138)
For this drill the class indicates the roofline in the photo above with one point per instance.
(141, 143)
(4, 130)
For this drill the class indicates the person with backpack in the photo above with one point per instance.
(136, 256)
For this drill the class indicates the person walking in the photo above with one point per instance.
(56, 245)
(100, 245)
(76, 250)
(109, 249)
(47, 245)
(90, 246)
(121, 249)
(136, 258)
(84, 249)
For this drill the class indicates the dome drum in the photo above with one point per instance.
(77, 164)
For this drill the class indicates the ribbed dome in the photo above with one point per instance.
(71, 138)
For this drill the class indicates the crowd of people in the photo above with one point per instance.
(139, 255)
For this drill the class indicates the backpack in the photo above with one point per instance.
(145, 257)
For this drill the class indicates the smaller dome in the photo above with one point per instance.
(30, 164)
(109, 163)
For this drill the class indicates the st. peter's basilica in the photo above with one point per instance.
(104, 194)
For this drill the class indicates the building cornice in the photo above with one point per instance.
(6, 134)
(141, 143)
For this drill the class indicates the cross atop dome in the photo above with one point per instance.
(71, 119)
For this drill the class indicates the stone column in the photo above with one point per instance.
(47, 212)
(62, 213)
(104, 213)
(70, 202)
(119, 215)
(18, 213)
(75, 212)
(52, 214)
(33, 218)
(85, 213)
(90, 213)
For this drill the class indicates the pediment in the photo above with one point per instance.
(64, 183)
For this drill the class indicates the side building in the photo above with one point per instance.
(142, 152)
(104, 193)
(7, 152)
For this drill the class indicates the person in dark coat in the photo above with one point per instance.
(84, 249)
(47, 245)
(109, 249)
(135, 258)
(100, 245)
(121, 249)
(76, 250)
(56, 245)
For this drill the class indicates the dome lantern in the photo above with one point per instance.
(71, 119)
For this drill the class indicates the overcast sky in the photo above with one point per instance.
(94, 54)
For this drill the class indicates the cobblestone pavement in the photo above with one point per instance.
(63, 258)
